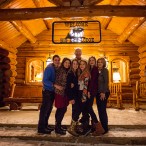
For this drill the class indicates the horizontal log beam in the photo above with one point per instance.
(20, 81)
(48, 43)
(105, 48)
(101, 10)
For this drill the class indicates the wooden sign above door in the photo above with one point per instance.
(72, 32)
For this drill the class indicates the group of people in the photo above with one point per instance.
(75, 82)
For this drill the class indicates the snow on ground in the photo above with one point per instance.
(32, 132)
(117, 117)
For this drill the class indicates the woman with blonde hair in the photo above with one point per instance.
(83, 80)
(72, 94)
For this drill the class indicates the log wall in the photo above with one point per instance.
(142, 61)
(127, 92)
(110, 47)
(21, 66)
(7, 72)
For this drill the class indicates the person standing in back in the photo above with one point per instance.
(48, 95)
(78, 55)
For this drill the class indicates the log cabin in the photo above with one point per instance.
(31, 33)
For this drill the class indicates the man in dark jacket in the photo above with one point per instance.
(48, 96)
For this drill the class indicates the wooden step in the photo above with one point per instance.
(118, 134)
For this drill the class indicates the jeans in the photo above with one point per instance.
(84, 109)
(101, 106)
(59, 115)
(76, 110)
(90, 109)
(46, 108)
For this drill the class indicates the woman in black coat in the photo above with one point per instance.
(72, 89)
(97, 128)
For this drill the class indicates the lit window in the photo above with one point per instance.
(119, 71)
(36, 71)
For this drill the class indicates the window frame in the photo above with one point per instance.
(27, 70)
(125, 59)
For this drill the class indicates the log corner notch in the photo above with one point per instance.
(100, 10)
(8, 47)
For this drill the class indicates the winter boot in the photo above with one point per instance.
(58, 129)
(50, 127)
(93, 127)
(98, 129)
(64, 128)
(79, 128)
(84, 129)
(72, 128)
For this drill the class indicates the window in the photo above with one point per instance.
(34, 71)
(119, 66)
(118, 70)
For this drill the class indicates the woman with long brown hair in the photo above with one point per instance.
(97, 128)
(61, 100)
(103, 92)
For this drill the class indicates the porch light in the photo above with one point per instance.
(49, 60)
